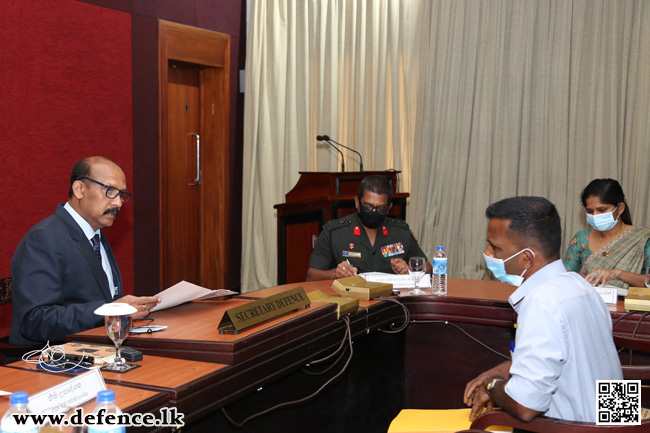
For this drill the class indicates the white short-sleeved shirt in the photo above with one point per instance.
(563, 345)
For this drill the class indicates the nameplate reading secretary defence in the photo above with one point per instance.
(252, 313)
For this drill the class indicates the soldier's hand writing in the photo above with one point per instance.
(344, 269)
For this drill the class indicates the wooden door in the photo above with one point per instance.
(194, 102)
(182, 216)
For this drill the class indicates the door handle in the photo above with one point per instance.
(197, 181)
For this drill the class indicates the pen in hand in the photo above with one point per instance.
(355, 272)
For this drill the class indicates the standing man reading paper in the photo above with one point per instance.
(366, 241)
(64, 268)
(564, 330)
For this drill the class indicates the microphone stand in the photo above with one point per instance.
(326, 138)
(321, 138)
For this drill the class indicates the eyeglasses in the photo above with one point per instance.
(381, 210)
(111, 191)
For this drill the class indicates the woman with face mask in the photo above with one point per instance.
(612, 251)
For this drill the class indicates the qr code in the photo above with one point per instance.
(619, 402)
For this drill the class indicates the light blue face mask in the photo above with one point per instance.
(603, 221)
(498, 268)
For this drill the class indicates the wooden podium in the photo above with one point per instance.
(317, 198)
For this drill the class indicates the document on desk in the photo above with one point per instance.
(183, 292)
(398, 281)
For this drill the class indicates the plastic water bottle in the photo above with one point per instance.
(18, 401)
(439, 284)
(106, 402)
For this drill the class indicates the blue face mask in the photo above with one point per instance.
(603, 221)
(498, 268)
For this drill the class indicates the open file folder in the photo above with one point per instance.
(435, 421)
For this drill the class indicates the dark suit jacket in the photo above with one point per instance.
(58, 281)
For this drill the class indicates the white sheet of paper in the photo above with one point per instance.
(608, 293)
(398, 281)
(5, 393)
(183, 292)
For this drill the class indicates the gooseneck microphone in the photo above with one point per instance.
(328, 139)
(321, 138)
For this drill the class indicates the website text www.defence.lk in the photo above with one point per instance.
(168, 417)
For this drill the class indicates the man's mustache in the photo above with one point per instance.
(115, 211)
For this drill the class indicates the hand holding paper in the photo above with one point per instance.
(186, 292)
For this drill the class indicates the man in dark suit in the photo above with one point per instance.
(64, 268)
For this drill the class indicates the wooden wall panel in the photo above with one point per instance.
(224, 16)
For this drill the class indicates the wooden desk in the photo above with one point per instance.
(130, 400)
(425, 367)
(193, 334)
(190, 386)
(271, 356)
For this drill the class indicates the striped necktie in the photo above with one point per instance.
(95, 241)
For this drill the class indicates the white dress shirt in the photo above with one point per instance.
(563, 345)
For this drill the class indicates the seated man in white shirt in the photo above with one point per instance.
(564, 339)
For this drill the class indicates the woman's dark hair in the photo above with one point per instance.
(608, 191)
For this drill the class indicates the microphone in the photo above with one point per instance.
(327, 138)
(321, 138)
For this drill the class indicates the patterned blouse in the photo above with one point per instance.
(626, 252)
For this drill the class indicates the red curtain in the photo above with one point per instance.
(66, 94)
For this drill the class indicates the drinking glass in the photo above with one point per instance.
(647, 277)
(117, 328)
(417, 268)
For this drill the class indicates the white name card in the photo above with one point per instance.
(609, 294)
(69, 394)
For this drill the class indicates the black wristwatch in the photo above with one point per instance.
(492, 383)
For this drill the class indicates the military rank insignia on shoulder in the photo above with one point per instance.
(397, 222)
(339, 223)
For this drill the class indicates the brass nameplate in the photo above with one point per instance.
(245, 316)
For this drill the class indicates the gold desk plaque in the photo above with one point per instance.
(344, 306)
(637, 299)
(261, 310)
(358, 287)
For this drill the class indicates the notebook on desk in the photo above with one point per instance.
(435, 421)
